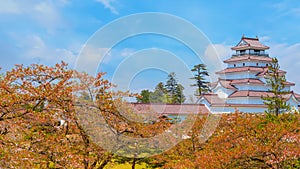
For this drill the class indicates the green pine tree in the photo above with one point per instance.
(160, 94)
(171, 87)
(179, 96)
(201, 84)
(275, 79)
(174, 90)
(145, 96)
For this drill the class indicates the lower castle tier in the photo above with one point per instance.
(242, 84)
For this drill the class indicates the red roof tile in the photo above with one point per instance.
(242, 105)
(241, 69)
(297, 96)
(265, 70)
(225, 83)
(289, 84)
(213, 99)
(250, 43)
(248, 57)
(250, 93)
(247, 80)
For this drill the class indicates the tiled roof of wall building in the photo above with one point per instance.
(145, 108)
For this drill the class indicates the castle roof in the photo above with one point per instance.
(213, 99)
(249, 43)
(225, 83)
(248, 57)
(252, 93)
(241, 69)
(265, 70)
(246, 80)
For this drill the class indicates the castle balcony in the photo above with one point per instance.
(251, 53)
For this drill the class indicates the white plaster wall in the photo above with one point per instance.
(238, 75)
(218, 110)
(248, 63)
(244, 100)
(257, 87)
(204, 101)
(222, 92)
(293, 102)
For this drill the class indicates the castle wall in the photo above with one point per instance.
(238, 75)
(248, 63)
(244, 100)
(218, 110)
(258, 87)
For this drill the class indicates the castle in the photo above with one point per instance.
(242, 84)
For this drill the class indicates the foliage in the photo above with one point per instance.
(179, 96)
(145, 96)
(39, 128)
(160, 94)
(241, 141)
(199, 76)
(38, 125)
(171, 85)
(171, 92)
(276, 79)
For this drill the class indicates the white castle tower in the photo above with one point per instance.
(242, 84)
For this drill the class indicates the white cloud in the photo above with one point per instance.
(264, 39)
(108, 4)
(214, 56)
(289, 60)
(10, 6)
(127, 52)
(36, 49)
(46, 13)
(90, 57)
(286, 8)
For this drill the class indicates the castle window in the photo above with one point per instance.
(256, 52)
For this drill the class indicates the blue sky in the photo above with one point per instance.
(49, 31)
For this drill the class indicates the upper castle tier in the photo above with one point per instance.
(242, 84)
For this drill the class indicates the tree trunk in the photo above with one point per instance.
(133, 163)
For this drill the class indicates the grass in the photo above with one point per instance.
(125, 166)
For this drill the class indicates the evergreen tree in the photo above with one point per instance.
(174, 90)
(179, 97)
(145, 96)
(171, 87)
(200, 74)
(160, 94)
(275, 79)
